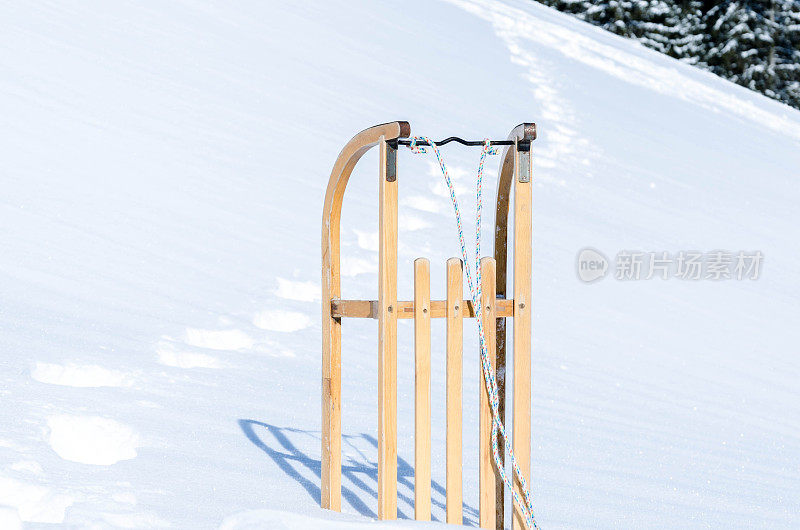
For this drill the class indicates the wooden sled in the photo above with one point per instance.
(498, 304)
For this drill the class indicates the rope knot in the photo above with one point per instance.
(415, 148)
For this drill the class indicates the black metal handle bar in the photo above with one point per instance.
(523, 144)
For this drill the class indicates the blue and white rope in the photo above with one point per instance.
(524, 503)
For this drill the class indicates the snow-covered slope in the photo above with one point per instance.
(163, 168)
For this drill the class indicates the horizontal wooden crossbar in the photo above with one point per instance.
(405, 309)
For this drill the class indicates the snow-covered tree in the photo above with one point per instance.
(755, 43)
(674, 28)
(742, 42)
(688, 43)
(787, 52)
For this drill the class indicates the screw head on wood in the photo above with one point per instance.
(522, 305)
(424, 309)
(390, 309)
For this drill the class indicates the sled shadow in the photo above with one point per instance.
(359, 475)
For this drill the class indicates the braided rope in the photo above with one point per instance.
(525, 504)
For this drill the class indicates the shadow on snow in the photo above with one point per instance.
(359, 477)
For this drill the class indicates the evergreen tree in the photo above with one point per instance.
(673, 28)
(689, 43)
(755, 43)
(787, 52)
(742, 44)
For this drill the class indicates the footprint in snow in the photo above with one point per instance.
(92, 439)
(28, 466)
(411, 223)
(170, 355)
(297, 290)
(30, 503)
(226, 339)
(9, 518)
(424, 203)
(280, 320)
(84, 376)
(367, 240)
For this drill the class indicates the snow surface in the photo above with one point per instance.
(163, 170)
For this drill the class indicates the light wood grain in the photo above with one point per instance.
(405, 309)
(387, 337)
(454, 346)
(331, 461)
(387, 310)
(422, 390)
(507, 181)
(522, 325)
(490, 487)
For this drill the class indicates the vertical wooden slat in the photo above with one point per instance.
(422, 387)
(522, 321)
(490, 515)
(387, 338)
(455, 338)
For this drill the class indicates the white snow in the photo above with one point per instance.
(224, 339)
(31, 466)
(280, 320)
(80, 376)
(294, 290)
(91, 439)
(170, 355)
(281, 520)
(35, 504)
(163, 170)
(9, 518)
